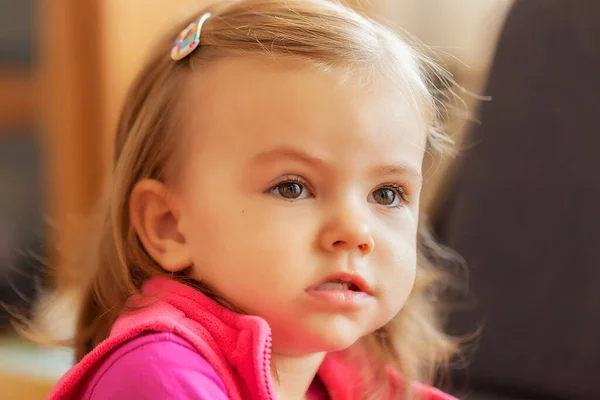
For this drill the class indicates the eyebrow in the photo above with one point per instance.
(288, 152)
(399, 169)
(294, 153)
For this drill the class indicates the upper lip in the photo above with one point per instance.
(356, 279)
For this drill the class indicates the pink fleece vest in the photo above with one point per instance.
(237, 346)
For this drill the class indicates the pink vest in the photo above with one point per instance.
(237, 346)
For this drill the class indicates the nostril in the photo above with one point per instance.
(342, 244)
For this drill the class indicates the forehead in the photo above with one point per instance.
(249, 105)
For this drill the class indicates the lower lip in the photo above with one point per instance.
(341, 298)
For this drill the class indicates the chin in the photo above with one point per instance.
(335, 336)
(339, 344)
(319, 334)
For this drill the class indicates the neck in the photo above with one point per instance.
(293, 375)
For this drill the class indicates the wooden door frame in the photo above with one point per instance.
(17, 94)
(71, 104)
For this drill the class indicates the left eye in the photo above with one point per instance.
(290, 190)
(388, 196)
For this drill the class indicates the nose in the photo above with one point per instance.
(347, 232)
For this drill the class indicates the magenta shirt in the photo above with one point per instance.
(161, 366)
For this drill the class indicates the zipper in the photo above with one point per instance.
(268, 380)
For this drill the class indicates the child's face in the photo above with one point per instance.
(289, 178)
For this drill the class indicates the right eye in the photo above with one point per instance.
(291, 189)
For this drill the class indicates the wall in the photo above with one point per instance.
(130, 27)
(463, 34)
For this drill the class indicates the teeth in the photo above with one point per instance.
(335, 286)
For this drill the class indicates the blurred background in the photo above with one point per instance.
(65, 66)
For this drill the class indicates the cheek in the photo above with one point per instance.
(215, 237)
(230, 239)
(398, 271)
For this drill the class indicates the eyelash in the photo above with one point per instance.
(399, 190)
(291, 179)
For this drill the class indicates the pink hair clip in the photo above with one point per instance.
(188, 39)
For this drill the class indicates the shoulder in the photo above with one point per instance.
(156, 366)
(430, 393)
(422, 392)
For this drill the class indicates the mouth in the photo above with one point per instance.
(344, 282)
(338, 285)
(342, 291)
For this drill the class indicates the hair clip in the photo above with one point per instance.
(188, 39)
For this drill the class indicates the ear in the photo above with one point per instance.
(155, 218)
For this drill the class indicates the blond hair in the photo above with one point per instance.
(320, 32)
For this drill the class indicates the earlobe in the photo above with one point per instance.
(154, 217)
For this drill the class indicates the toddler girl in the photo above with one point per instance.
(259, 236)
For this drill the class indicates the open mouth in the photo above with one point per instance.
(338, 284)
(348, 291)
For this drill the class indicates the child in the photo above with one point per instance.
(259, 238)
